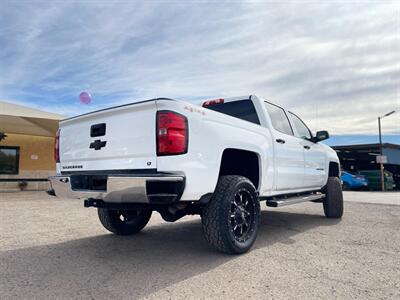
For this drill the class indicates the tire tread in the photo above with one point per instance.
(333, 202)
(214, 227)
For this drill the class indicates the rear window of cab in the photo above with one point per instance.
(242, 109)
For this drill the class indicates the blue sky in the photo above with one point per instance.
(337, 65)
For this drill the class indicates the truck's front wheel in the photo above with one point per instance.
(333, 201)
(123, 222)
(230, 220)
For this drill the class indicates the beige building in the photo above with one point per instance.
(27, 151)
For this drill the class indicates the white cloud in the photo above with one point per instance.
(337, 61)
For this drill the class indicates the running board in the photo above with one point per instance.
(293, 200)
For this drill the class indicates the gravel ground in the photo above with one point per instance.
(55, 248)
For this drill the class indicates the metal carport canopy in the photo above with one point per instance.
(25, 120)
(391, 151)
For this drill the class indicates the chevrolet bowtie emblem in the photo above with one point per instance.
(97, 144)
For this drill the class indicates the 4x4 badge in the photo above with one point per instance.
(97, 144)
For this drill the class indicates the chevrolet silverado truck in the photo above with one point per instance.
(218, 160)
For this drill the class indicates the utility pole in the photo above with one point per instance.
(381, 150)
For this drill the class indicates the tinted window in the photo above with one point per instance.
(9, 160)
(242, 109)
(278, 118)
(301, 129)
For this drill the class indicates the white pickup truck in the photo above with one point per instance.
(218, 160)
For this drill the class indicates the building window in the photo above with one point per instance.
(9, 160)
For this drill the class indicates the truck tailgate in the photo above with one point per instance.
(119, 138)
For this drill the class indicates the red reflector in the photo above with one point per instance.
(213, 102)
(57, 147)
(172, 133)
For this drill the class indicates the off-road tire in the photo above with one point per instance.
(217, 215)
(123, 222)
(333, 201)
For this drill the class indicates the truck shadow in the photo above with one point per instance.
(130, 267)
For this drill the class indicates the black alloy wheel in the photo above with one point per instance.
(242, 221)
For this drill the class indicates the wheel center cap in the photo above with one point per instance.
(239, 216)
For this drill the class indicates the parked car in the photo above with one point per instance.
(353, 181)
(374, 180)
(219, 161)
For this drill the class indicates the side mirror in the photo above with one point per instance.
(320, 136)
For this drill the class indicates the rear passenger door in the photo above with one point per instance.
(288, 151)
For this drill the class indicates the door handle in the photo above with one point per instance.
(280, 141)
(307, 147)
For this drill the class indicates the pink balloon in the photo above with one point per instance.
(85, 97)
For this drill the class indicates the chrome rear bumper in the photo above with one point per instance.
(123, 189)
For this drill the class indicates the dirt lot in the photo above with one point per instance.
(52, 248)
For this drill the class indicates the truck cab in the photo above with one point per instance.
(295, 160)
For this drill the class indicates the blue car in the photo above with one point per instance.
(353, 181)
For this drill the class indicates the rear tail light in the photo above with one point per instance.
(172, 133)
(57, 147)
(213, 102)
